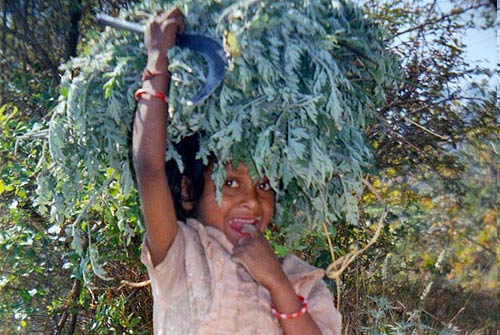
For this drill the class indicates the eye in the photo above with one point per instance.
(231, 183)
(264, 185)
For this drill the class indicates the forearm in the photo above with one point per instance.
(285, 300)
(149, 133)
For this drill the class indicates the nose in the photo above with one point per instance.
(250, 199)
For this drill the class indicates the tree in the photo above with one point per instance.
(422, 121)
(36, 37)
(435, 145)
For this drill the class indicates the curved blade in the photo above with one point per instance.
(213, 53)
(207, 47)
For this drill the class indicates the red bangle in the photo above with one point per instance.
(148, 74)
(293, 315)
(159, 95)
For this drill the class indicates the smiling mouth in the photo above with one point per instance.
(238, 223)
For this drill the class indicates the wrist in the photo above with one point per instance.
(277, 283)
(284, 298)
(157, 62)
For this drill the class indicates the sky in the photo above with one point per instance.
(481, 45)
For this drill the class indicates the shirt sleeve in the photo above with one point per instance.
(167, 275)
(179, 284)
(307, 281)
(323, 311)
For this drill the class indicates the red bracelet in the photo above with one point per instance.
(294, 315)
(159, 95)
(148, 74)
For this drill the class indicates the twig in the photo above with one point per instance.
(332, 255)
(426, 130)
(60, 324)
(72, 324)
(134, 284)
(454, 12)
(75, 293)
(456, 315)
(328, 238)
(485, 248)
(405, 140)
(337, 267)
(346, 329)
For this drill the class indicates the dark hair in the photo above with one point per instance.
(193, 171)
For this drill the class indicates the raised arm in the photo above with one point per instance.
(149, 137)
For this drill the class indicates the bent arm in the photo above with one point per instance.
(256, 255)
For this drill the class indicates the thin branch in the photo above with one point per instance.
(404, 139)
(402, 103)
(75, 16)
(61, 323)
(337, 267)
(134, 284)
(456, 315)
(455, 12)
(446, 138)
(72, 324)
(4, 22)
(71, 302)
(487, 249)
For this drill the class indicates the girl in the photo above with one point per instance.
(215, 273)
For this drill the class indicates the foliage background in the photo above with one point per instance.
(433, 271)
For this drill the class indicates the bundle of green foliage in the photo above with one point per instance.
(303, 78)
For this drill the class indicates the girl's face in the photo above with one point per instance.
(243, 202)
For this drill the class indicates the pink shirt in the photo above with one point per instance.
(197, 289)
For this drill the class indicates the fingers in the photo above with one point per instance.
(236, 259)
(244, 272)
(173, 12)
(173, 17)
(176, 22)
(161, 31)
(255, 255)
(242, 246)
(251, 233)
(251, 230)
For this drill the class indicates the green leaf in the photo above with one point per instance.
(96, 266)
(2, 186)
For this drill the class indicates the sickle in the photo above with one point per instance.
(211, 51)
